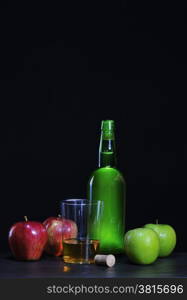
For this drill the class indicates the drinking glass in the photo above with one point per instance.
(80, 242)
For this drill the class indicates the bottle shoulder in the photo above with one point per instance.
(107, 171)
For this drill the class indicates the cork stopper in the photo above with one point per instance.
(105, 260)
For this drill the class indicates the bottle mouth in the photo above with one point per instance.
(107, 125)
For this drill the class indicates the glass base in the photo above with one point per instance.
(71, 260)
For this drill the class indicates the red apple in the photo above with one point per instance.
(27, 240)
(69, 229)
(54, 228)
(58, 229)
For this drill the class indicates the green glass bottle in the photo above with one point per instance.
(107, 184)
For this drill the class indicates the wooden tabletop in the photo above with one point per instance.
(48, 267)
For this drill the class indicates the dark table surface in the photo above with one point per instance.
(48, 267)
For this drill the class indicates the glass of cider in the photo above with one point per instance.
(82, 248)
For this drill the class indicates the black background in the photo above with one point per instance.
(64, 68)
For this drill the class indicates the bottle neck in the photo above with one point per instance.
(107, 150)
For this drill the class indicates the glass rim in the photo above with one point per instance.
(80, 202)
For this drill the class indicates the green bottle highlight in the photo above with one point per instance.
(108, 185)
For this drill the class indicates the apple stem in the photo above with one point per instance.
(26, 219)
(156, 221)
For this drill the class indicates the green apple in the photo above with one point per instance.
(142, 245)
(167, 237)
